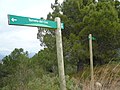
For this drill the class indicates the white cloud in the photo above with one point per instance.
(26, 39)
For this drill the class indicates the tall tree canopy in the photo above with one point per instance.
(82, 17)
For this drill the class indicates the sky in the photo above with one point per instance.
(12, 37)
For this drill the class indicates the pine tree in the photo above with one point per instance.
(101, 20)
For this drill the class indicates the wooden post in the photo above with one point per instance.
(60, 55)
(91, 62)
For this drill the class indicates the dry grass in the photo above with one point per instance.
(106, 77)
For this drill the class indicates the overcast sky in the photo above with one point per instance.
(20, 36)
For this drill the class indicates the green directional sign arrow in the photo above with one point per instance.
(93, 38)
(34, 22)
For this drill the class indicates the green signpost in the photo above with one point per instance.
(34, 22)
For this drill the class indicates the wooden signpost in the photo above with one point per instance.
(35, 22)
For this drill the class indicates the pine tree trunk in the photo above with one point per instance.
(80, 66)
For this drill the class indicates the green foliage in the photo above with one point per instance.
(45, 83)
(73, 52)
(71, 84)
(80, 17)
(101, 19)
(29, 74)
(11, 65)
(11, 61)
(103, 23)
(47, 60)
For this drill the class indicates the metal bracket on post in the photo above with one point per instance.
(60, 55)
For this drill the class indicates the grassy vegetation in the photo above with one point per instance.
(32, 74)
(106, 77)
